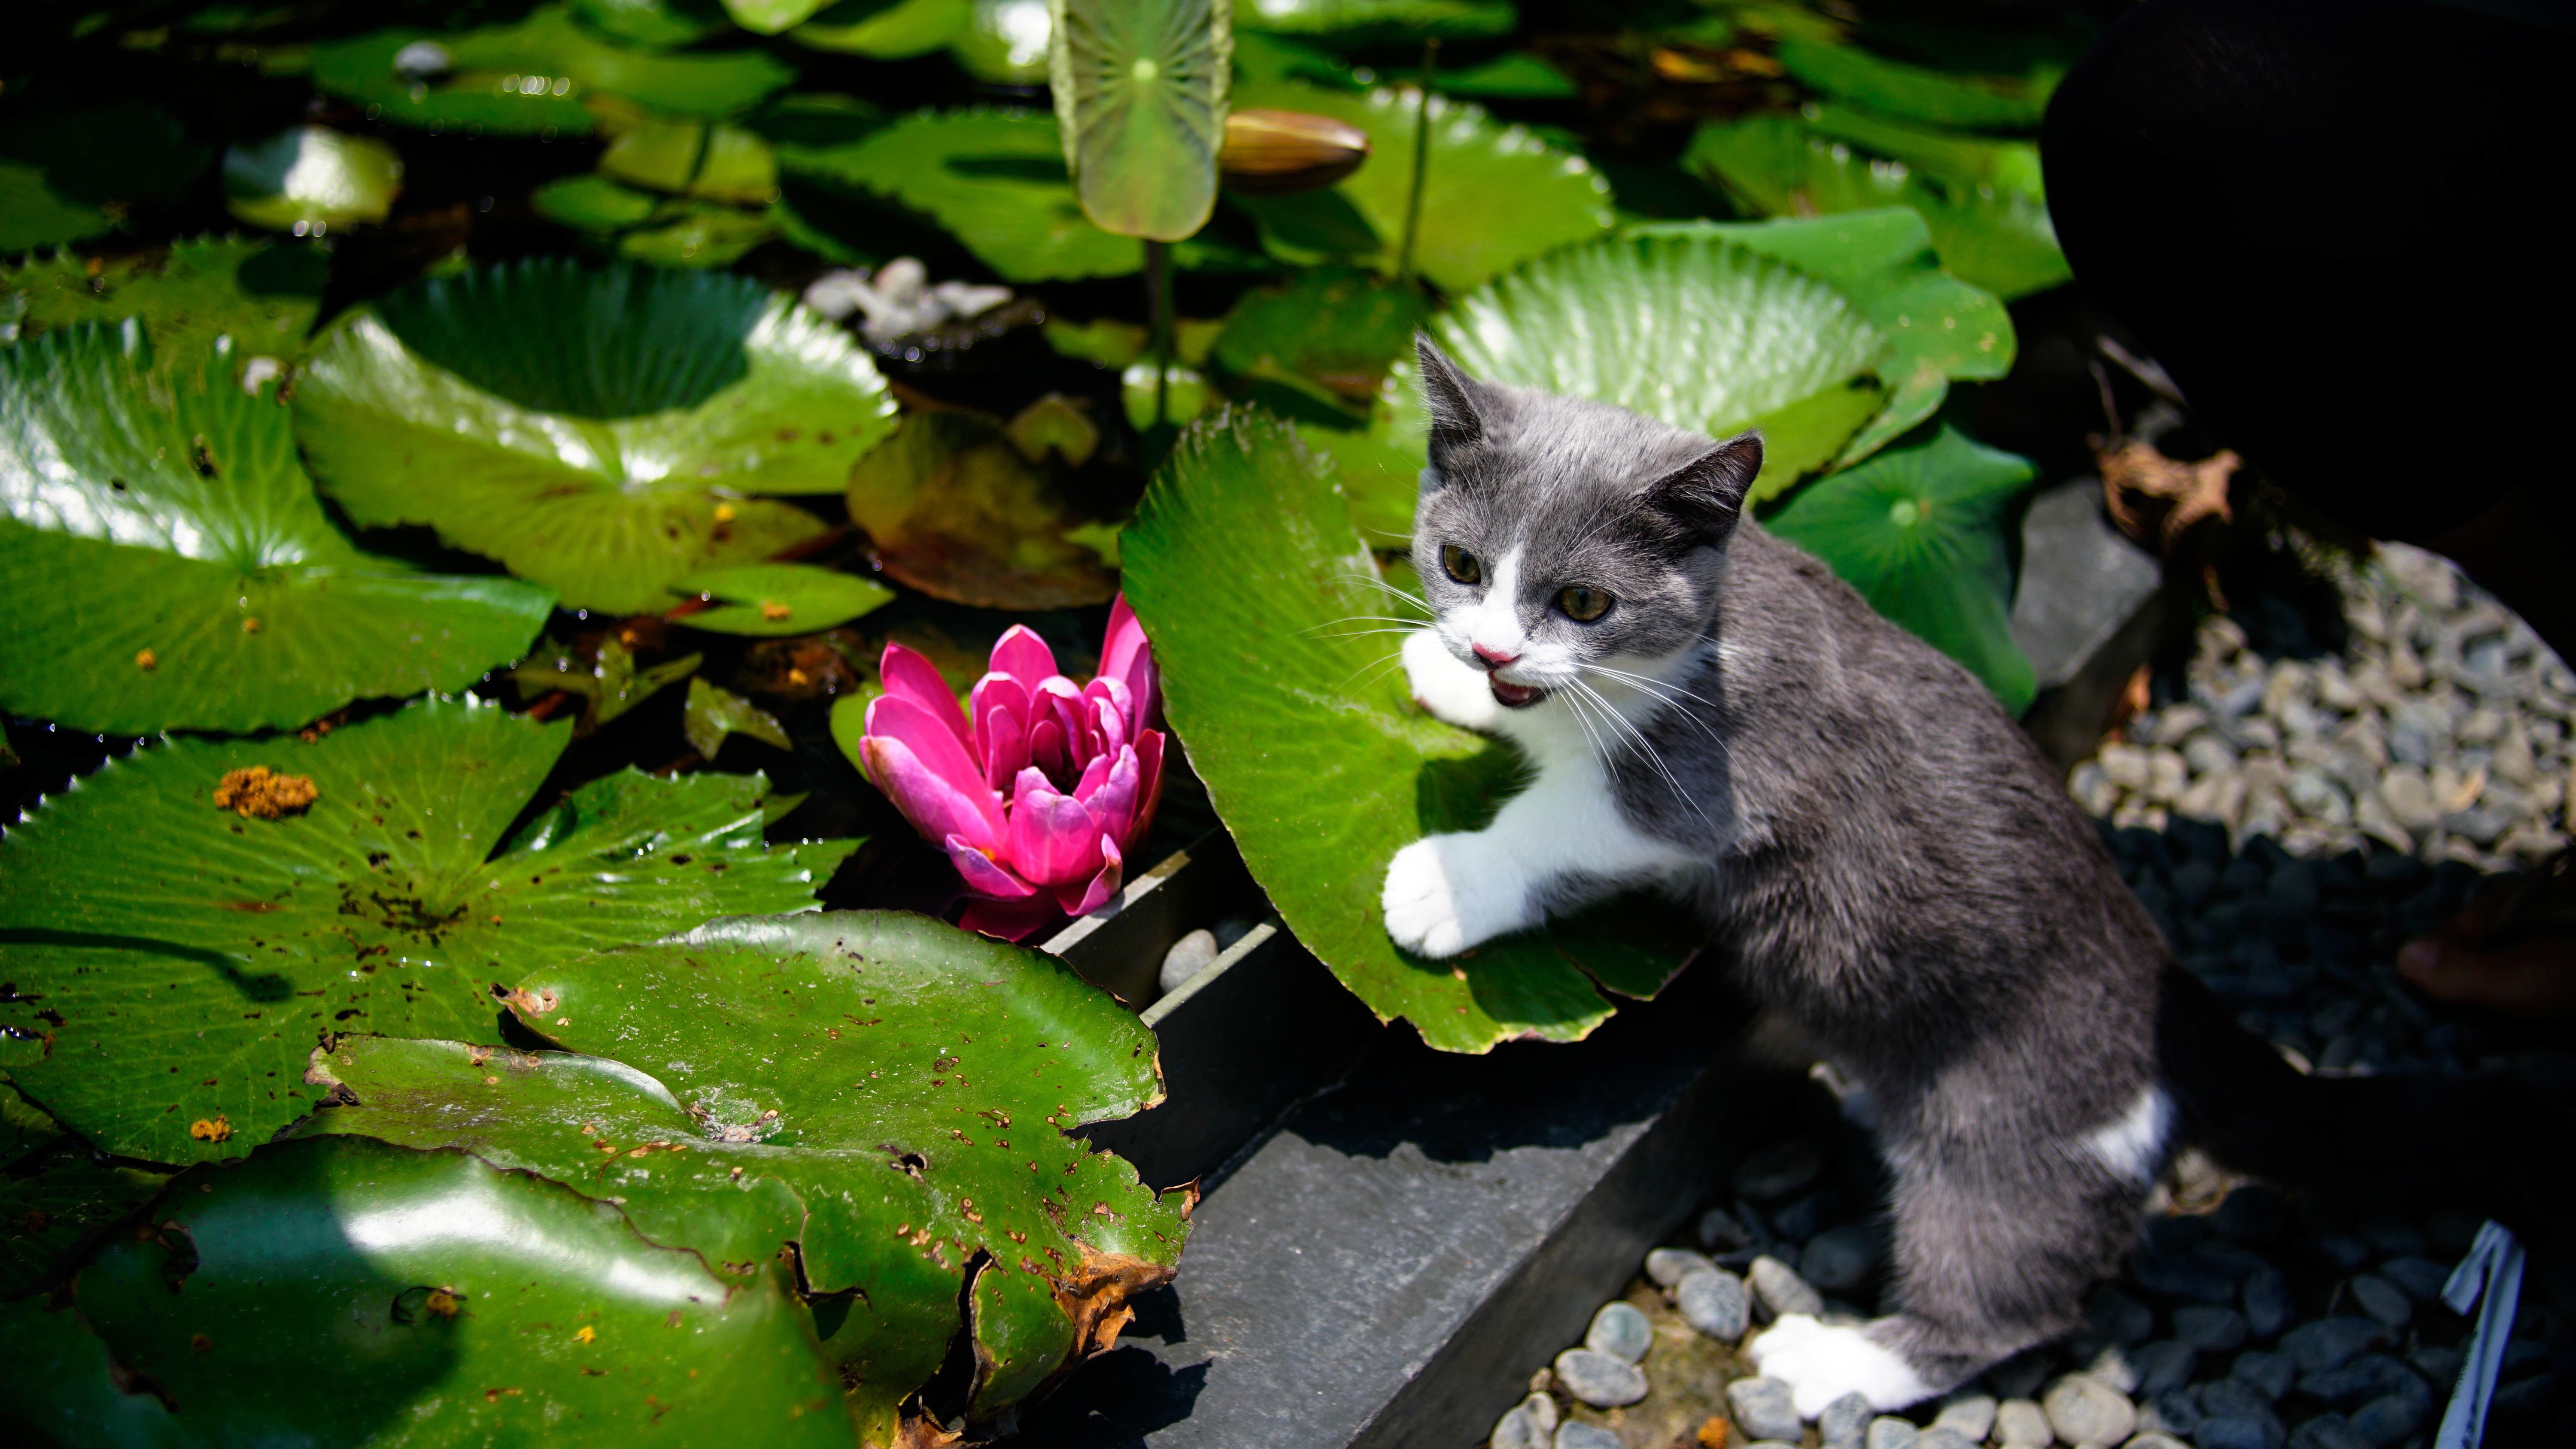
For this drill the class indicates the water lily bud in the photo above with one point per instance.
(1278, 153)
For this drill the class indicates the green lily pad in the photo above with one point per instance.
(698, 235)
(33, 214)
(174, 569)
(1256, 590)
(195, 956)
(1919, 530)
(880, 31)
(994, 178)
(533, 77)
(1939, 328)
(58, 1385)
(1379, 22)
(73, 174)
(1915, 93)
(23, 1129)
(528, 1312)
(47, 1207)
(715, 713)
(958, 512)
(593, 203)
(654, 24)
(1990, 235)
(722, 163)
(887, 1091)
(780, 599)
(1493, 195)
(2011, 166)
(1005, 42)
(1513, 76)
(1140, 99)
(262, 294)
(311, 177)
(609, 686)
(768, 17)
(1320, 345)
(600, 432)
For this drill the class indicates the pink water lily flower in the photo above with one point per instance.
(1041, 787)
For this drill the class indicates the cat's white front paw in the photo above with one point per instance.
(1442, 896)
(1821, 1362)
(1447, 688)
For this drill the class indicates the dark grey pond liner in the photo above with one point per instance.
(1390, 1235)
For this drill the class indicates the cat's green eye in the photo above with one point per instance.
(1583, 605)
(1461, 564)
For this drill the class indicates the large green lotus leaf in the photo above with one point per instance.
(768, 17)
(57, 1386)
(1280, 677)
(596, 431)
(1140, 98)
(880, 31)
(593, 203)
(33, 214)
(180, 960)
(74, 173)
(654, 24)
(954, 509)
(780, 599)
(1919, 530)
(1379, 22)
(994, 178)
(1992, 236)
(2011, 166)
(311, 177)
(724, 163)
(884, 1090)
(174, 569)
(49, 1205)
(1914, 93)
(1938, 328)
(1493, 195)
(23, 1129)
(532, 77)
(1326, 338)
(431, 1299)
(262, 294)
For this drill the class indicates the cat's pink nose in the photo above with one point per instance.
(1494, 657)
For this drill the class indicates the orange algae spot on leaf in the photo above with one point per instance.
(259, 793)
(588, 1334)
(217, 1130)
(147, 660)
(773, 610)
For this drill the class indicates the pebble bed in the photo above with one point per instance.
(2289, 823)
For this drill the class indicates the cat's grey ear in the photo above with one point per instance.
(1451, 394)
(1706, 495)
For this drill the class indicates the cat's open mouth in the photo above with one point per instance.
(1514, 696)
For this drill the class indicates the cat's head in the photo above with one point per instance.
(1555, 535)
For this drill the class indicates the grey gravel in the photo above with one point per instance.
(2328, 1431)
(2266, 1301)
(1714, 1301)
(2209, 1327)
(2018, 1377)
(1620, 1331)
(2385, 1421)
(1189, 956)
(2174, 1411)
(2020, 1423)
(1519, 1428)
(2421, 1278)
(2155, 1441)
(2268, 1374)
(1890, 1432)
(1845, 1422)
(2238, 1432)
(2330, 1342)
(1762, 1409)
(2382, 1300)
(1940, 1438)
(1602, 1380)
(1669, 1266)
(2084, 1410)
(1839, 1260)
(2116, 1316)
(1574, 1435)
(1720, 1231)
(2164, 1364)
(1971, 1414)
(1781, 1289)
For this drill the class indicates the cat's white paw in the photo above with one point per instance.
(1821, 1362)
(1444, 894)
(1447, 688)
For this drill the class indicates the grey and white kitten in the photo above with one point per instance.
(1706, 710)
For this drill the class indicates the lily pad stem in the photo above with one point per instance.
(1158, 288)
(1421, 160)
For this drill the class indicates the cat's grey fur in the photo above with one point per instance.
(1885, 857)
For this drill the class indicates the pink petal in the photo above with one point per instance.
(1011, 920)
(1108, 718)
(909, 676)
(1053, 837)
(1006, 749)
(1094, 775)
(1149, 785)
(1113, 801)
(1023, 655)
(928, 798)
(1080, 899)
(1048, 751)
(1125, 655)
(999, 691)
(984, 875)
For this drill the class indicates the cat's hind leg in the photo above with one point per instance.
(1995, 1247)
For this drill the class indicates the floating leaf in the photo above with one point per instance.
(48, 1206)
(1379, 22)
(262, 294)
(768, 17)
(1919, 530)
(533, 77)
(1246, 571)
(596, 431)
(955, 511)
(723, 163)
(62, 1387)
(880, 31)
(1493, 195)
(1979, 103)
(23, 1129)
(780, 599)
(1513, 76)
(592, 203)
(311, 176)
(2011, 166)
(175, 571)
(1989, 235)
(872, 1085)
(74, 173)
(195, 957)
(698, 234)
(994, 179)
(1325, 339)
(528, 1312)
(654, 24)
(715, 712)
(608, 687)
(1140, 98)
